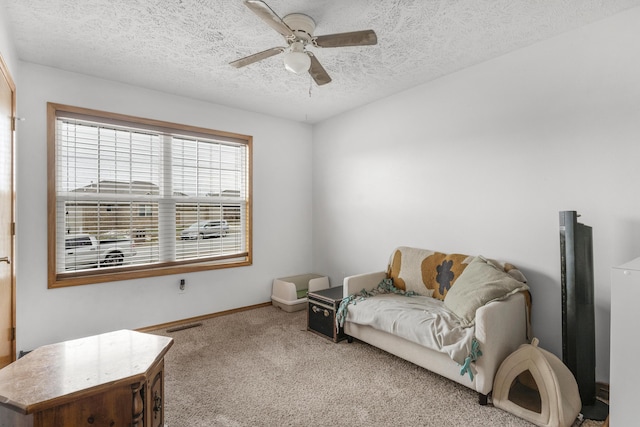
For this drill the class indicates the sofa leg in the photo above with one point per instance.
(349, 339)
(483, 399)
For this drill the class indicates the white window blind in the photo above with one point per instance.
(134, 196)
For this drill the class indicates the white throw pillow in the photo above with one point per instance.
(480, 283)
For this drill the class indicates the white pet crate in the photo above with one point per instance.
(290, 293)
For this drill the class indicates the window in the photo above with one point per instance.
(131, 197)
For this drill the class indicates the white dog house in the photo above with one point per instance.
(534, 384)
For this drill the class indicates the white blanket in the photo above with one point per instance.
(422, 320)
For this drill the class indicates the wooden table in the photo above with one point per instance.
(112, 379)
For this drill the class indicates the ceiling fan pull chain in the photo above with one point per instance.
(310, 85)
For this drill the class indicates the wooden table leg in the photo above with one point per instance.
(138, 405)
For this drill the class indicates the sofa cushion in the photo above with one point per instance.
(424, 271)
(419, 319)
(481, 282)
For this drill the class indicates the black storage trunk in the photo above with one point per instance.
(321, 313)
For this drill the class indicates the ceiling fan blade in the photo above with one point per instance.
(317, 71)
(257, 57)
(265, 13)
(355, 38)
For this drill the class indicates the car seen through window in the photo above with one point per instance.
(205, 230)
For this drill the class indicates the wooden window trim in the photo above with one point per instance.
(57, 280)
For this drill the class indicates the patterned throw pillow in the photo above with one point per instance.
(424, 271)
(432, 273)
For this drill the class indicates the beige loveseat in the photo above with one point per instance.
(491, 304)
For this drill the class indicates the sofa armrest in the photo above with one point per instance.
(501, 327)
(354, 284)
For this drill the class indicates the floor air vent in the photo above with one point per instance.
(534, 384)
(183, 327)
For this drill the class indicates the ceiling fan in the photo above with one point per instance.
(297, 29)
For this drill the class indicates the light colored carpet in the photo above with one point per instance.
(263, 368)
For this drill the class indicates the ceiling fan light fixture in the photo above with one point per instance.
(297, 30)
(297, 62)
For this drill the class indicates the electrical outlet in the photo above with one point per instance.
(182, 288)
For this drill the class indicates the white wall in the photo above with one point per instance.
(482, 161)
(281, 228)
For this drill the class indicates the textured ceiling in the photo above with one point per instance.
(185, 46)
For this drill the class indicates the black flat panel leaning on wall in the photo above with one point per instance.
(578, 318)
